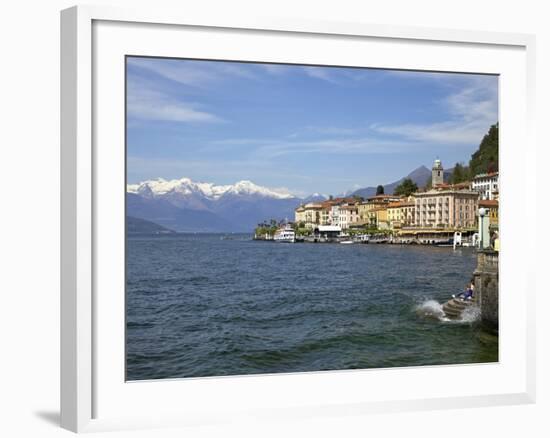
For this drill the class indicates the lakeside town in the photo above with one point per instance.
(449, 214)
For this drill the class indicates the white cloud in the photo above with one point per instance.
(364, 145)
(147, 104)
(472, 109)
(195, 73)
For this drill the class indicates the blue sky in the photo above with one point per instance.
(306, 129)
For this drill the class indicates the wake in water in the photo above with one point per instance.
(432, 309)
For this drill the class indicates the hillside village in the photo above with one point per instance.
(447, 208)
(430, 215)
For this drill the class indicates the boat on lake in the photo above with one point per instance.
(285, 234)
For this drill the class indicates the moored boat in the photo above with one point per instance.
(285, 234)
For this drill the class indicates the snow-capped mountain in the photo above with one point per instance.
(315, 197)
(186, 205)
(186, 186)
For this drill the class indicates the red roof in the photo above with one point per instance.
(488, 203)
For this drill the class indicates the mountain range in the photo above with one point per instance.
(184, 205)
(187, 206)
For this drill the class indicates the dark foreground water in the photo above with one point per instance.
(200, 305)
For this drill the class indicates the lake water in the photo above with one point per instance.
(204, 305)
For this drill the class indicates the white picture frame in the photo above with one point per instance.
(92, 394)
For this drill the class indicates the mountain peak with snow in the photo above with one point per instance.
(186, 186)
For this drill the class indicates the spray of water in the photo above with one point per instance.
(432, 309)
(471, 314)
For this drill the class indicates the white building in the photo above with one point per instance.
(335, 215)
(486, 184)
(349, 215)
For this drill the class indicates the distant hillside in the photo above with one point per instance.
(168, 215)
(420, 176)
(135, 225)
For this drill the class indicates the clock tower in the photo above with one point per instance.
(437, 173)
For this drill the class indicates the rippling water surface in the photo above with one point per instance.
(204, 305)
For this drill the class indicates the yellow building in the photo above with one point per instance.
(491, 205)
(300, 215)
(310, 214)
(374, 202)
(378, 217)
(395, 214)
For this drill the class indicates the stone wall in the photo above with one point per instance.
(486, 286)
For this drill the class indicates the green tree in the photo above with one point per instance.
(460, 174)
(406, 188)
(485, 159)
(379, 190)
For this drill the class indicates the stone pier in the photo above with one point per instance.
(486, 287)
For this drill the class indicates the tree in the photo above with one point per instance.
(406, 188)
(485, 159)
(460, 174)
(379, 190)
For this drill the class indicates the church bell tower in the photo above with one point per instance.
(437, 173)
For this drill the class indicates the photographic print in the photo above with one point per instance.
(295, 218)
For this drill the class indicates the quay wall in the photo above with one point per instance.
(486, 286)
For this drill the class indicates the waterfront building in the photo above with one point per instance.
(395, 215)
(349, 215)
(311, 214)
(300, 215)
(486, 184)
(408, 212)
(491, 205)
(437, 173)
(362, 210)
(378, 217)
(325, 214)
(446, 206)
(401, 213)
(379, 203)
(334, 216)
